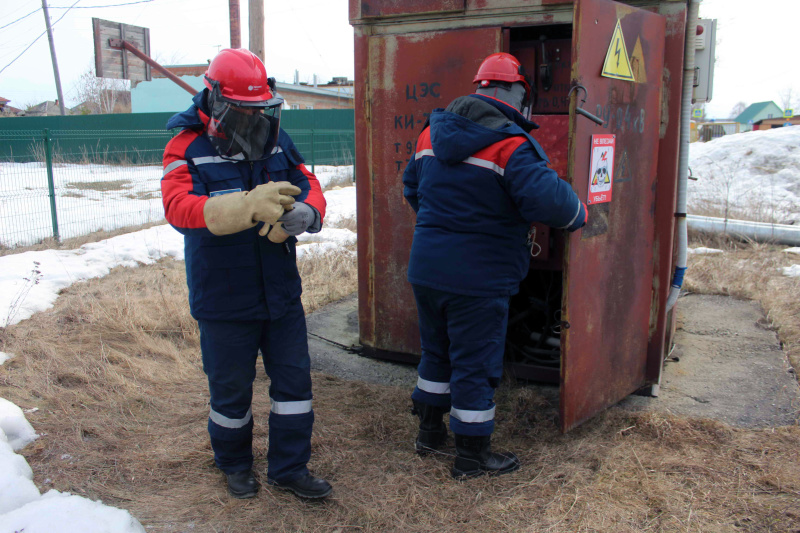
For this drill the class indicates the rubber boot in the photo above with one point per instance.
(432, 431)
(474, 457)
(242, 484)
(305, 486)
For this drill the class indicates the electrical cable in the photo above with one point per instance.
(109, 5)
(23, 17)
(39, 37)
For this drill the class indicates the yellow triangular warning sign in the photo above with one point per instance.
(637, 62)
(617, 64)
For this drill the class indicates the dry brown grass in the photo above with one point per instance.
(328, 277)
(751, 271)
(115, 371)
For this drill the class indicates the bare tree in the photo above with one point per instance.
(738, 109)
(788, 98)
(101, 95)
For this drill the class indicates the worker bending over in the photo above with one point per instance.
(477, 182)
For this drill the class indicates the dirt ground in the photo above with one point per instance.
(114, 374)
(727, 363)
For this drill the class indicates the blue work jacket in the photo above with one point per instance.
(242, 276)
(477, 181)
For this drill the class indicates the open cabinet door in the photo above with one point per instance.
(608, 265)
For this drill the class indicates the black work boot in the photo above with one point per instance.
(432, 431)
(242, 484)
(305, 486)
(474, 457)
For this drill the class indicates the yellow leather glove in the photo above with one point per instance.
(276, 234)
(238, 211)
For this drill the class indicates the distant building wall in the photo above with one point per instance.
(776, 123)
(162, 95)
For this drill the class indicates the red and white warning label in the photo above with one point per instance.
(601, 169)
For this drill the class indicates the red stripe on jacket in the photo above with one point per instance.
(315, 197)
(424, 140)
(182, 208)
(498, 153)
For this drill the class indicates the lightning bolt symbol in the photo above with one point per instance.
(617, 51)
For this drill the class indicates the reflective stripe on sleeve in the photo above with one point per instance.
(216, 159)
(472, 417)
(433, 387)
(423, 153)
(172, 166)
(571, 222)
(290, 408)
(485, 164)
(230, 423)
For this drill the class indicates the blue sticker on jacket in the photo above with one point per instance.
(226, 191)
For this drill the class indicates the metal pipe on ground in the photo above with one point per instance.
(756, 231)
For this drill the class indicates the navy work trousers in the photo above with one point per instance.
(230, 350)
(463, 341)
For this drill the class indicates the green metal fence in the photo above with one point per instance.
(64, 183)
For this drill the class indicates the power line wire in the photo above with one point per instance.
(39, 37)
(109, 5)
(23, 17)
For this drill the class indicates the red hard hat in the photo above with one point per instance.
(240, 76)
(501, 67)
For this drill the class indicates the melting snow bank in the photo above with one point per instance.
(30, 281)
(22, 508)
(754, 175)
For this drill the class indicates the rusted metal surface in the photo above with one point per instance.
(383, 8)
(401, 91)
(553, 135)
(415, 55)
(608, 276)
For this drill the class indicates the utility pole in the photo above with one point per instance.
(257, 28)
(236, 31)
(53, 56)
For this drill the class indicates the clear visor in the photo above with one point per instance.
(244, 132)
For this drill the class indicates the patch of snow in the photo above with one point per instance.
(16, 429)
(792, 271)
(753, 175)
(703, 251)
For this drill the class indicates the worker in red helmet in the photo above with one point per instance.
(477, 181)
(231, 176)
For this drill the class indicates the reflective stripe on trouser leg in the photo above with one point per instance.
(477, 331)
(229, 352)
(284, 348)
(433, 384)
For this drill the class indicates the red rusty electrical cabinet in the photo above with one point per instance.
(591, 316)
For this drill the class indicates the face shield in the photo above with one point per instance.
(247, 128)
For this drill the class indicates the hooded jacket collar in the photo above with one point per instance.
(471, 123)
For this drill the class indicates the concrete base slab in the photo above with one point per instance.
(727, 363)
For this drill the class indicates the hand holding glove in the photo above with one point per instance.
(295, 221)
(238, 211)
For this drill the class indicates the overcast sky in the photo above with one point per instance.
(314, 37)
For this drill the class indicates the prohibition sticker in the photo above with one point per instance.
(617, 65)
(601, 169)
